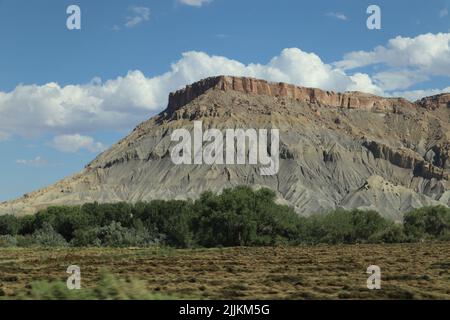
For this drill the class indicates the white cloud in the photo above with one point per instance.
(414, 95)
(337, 15)
(443, 13)
(139, 15)
(36, 162)
(30, 110)
(74, 143)
(405, 61)
(194, 3)
(398, 79)
(428, 54)
(296, 66)
(121, 103)
(362, 82)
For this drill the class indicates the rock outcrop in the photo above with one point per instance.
(435, 102)
(354, 100)
(349, 150)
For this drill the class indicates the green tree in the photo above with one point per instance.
(342, 226)
(169, 218)
(427, 222)
(9, 225)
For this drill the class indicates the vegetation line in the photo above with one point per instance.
(237, 217)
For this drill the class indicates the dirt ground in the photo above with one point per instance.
(408, 271)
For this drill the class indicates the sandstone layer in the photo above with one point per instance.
(308, 95)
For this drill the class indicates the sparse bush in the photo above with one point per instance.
(8, 241)
(108, 288)
(114, 235)
(48, 237)
(25, 241)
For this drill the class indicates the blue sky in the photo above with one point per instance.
(66, 95)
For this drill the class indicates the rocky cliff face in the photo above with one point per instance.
(349, 150)
(435, 102)
(353, 100)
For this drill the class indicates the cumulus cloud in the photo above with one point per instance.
(398, 79)
(121, 103)
(406, 61)
(363, 82)
(139, 15)
(74, 143)
(194, 3)
(443, 13)
(337, 15)
(428, 53)
(30, 110)
(36, 162)
(299, 67)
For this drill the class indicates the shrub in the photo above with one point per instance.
(243, 217)
(63, 219)
(236, 217)
(107, 213)
(169, 218)
(108, 288)
(48, 237)
(25, 241)
(8, 241)
(27, 225)
(9, 225)
(392, 234)
(86, 238)
(428, 222)
(341, 226)
(114, 235)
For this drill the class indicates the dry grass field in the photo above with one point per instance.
(409, 271)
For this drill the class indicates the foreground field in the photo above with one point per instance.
(408, 271)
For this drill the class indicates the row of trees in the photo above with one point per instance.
(237, 217)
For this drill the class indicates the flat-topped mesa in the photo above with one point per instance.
(354, 100)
